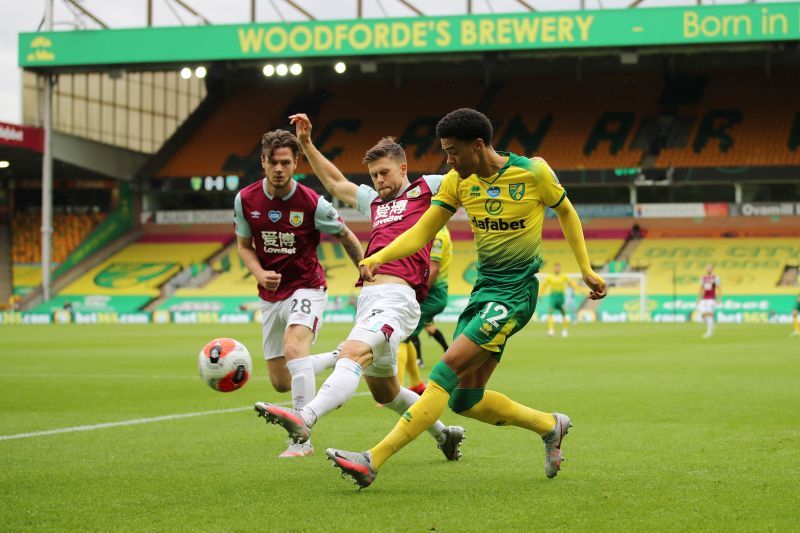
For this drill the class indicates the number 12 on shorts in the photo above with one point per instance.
(493, 313)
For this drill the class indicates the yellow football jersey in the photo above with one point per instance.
(442, 252)
(506, 210)
(558, 283)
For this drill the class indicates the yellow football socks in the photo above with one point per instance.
(417, 419)
(797, 324)
(412, 366)
(550, 322)
(402, 357)
(500, 410)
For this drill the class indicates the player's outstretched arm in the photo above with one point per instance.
(573, 231)
(351, 245)
(409, 242)
(331, 177)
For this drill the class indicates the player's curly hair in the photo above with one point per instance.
(278, 139)
(465, 124)
(386, 147)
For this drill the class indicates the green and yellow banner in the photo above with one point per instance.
(513, 31)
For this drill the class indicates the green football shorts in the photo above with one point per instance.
(557, 302)
(433, 304)
(501, 303)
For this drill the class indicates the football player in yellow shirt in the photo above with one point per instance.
(557, 283)
(505, 196)
(436, 301)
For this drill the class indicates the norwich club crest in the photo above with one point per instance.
(516, 191)
(296, 218)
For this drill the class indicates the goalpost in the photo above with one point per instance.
(624, 279)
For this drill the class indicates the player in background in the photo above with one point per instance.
(505, 196)
(557, 283)
(709, 296)
(387, 310)
(410, 353)
(278, 223)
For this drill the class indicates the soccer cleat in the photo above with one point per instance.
(357, 465)
(289, 419)
(454, 437)
(418, 388)
(564, 333)
(550, 332)
(552, 445)
(298, 450)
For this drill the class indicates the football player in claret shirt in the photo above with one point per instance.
(278, 224)
(505, 196)
(709, 296)
(387, 310)
(557, 283)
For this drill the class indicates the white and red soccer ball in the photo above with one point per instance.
(225, 364)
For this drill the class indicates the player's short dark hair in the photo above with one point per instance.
(278, 139)
(386, 147)
(465, 124)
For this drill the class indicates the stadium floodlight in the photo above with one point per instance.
(200, 72)
(186, 73)
(282, 69)
(296, 69)
(5, 164)
(340, 67)
(268, 70)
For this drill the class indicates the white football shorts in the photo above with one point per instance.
(386, 315)
(706, 306)
(304, 307)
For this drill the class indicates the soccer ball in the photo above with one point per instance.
(225, 364)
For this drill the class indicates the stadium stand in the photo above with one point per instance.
(743, 119)
(70, 229)
(133, 276)
(721, 119)
(744, 265)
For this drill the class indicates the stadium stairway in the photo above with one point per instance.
(5, 264)
(198, 281)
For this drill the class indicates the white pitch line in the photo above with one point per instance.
(77, 377)
(133, 422)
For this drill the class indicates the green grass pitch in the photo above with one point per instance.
(672, 432)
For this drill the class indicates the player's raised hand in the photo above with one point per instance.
(368, 267)
(597, 285)
(269, 279)
(302, 127)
